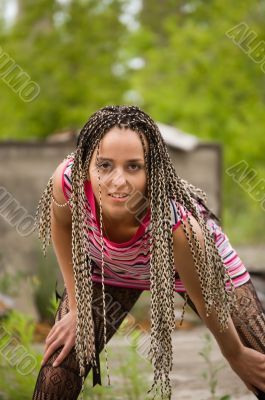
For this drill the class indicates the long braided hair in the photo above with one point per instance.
(163, 184)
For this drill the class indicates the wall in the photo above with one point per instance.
(25, 170)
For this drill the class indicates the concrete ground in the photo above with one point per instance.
(188, 367)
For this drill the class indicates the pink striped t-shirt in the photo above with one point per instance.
(127, 264)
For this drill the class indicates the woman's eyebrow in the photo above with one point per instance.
(110, 159)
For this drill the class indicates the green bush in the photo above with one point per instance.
(19, 360)
(20, 363)
(44, 282)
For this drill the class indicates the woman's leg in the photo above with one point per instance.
(64, 382)
(249, 319)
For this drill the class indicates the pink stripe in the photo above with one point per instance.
(184, 217)
(228, 262)
(131, 285)
(63, 179)
(239, 281)
(236, 268)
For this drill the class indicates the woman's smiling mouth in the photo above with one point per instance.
(119, 196)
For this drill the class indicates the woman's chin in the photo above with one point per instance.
(117, 212)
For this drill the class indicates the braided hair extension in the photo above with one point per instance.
(163, 184)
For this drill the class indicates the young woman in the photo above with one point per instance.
(122, 221)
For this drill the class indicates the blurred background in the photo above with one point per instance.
(173, 58)
(197, 67)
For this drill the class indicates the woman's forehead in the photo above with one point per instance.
(121, 142)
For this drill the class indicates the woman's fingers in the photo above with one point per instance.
(249, 365)
(63, 354)
(62, 335)
(50, 339)
(50, 350)
(53, 344)
(258, 383)
(51, 332)
(251, 388)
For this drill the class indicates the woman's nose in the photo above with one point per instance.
(119, 179)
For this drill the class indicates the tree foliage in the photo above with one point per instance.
(195, 77)
(69, 49)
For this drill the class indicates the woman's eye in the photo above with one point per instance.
(134, 167)
(103, 165)
(106, 165)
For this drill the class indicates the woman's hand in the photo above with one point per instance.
(249, 365)
(62, 334)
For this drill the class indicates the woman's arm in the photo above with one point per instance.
(247, 363)
(229, 340)
(61, 232)
(63, 332)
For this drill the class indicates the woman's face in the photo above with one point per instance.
(122, 172)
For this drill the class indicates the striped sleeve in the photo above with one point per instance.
(66, 179)
(231, 260)
(178, 214)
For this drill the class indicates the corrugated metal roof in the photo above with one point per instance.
(173, 137)
(176, 138)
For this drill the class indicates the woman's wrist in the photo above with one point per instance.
(71, 296)
(73, 307)
(228, 341)
(232, 352)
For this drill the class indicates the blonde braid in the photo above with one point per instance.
(85, 343)
(162, 305)
(43, 217)
(102, 269)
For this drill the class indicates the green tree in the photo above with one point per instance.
(69, 50)
(196, 78)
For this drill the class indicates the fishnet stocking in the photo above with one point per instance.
(248, 318)
(64, 382)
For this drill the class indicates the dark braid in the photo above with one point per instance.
(163, 184)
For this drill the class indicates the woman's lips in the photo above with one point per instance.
(119, 199)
